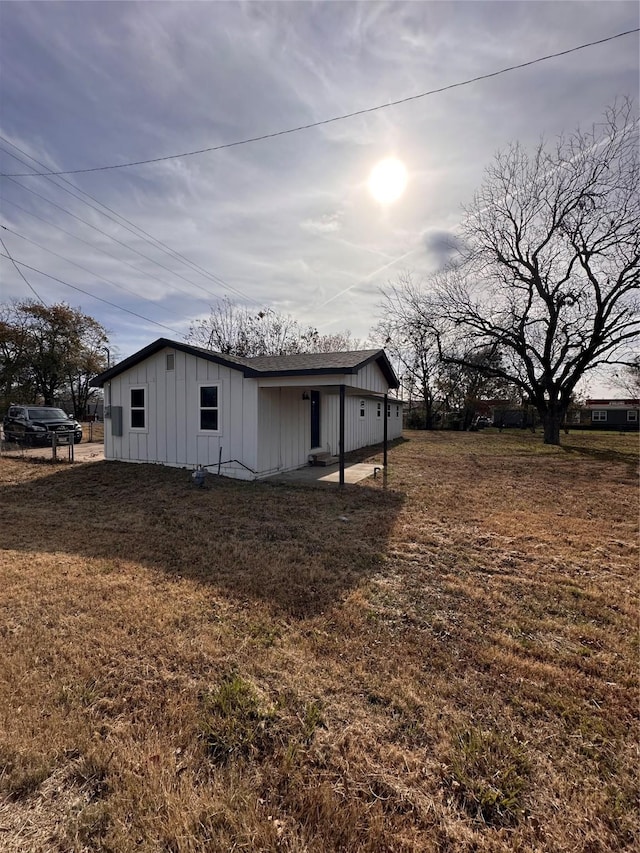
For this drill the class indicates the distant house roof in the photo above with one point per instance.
(301, 364)
(614, 404)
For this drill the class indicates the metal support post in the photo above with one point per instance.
(385, 432)
(341, 441)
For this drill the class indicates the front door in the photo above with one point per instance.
(315, 419)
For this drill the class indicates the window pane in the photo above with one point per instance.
(137, 418)
(137, 398)
(209, 397)
(209, 419)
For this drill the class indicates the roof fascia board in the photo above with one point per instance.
(306, 371)
(165, 343)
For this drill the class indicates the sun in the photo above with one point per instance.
(388, 180)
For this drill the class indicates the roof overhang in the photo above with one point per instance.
(243, 365)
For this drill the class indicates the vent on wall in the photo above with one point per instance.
(171, 360)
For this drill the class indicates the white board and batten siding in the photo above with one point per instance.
(264, 423)
(359, 430)
(172, 434)
(284, 430)
(364, 414)
(370, 377)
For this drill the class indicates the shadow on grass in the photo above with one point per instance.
(626, 457)
(298, 548)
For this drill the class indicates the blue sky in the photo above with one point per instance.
(286, 222)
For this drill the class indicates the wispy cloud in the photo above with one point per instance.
(289, 221)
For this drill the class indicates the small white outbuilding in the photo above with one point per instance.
(176, 404)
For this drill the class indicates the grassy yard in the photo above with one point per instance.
(447, 663)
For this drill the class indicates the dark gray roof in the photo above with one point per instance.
(300, 364)
(312, 360)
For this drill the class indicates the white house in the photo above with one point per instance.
(181, 405)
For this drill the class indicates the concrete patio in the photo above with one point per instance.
(353, 473)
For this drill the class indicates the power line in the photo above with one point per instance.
(327, 120)
(80, 239)
(86, 243)
(159, 244)
(115, 240)
(93, 296)
(20, 273)
(85, 269)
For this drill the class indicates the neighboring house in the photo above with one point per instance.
(95, 408)
(181, 405)
(506, 414)
(611, 414)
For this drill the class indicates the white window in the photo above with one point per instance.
(171, 361)
(362, 408)
(599, 416)
(138, 408)
(388, 410)
(379, 412)
(397, 411)
(632, 416)
(209, 408)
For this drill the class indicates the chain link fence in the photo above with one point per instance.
(61, 447)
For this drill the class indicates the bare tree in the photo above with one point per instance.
(549, 272)
(627, 379)
(336, 342)
(408, 334)
(465, 380)
(236, 330)
(411, 332)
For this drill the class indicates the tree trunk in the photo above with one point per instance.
(467, 417)
(552, 421)
(428, 407)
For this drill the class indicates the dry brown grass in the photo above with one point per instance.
(454, 668)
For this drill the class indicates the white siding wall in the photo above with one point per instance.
(358, 431)
(394, 430)
(284, 429)
(284, 426)
(268, 429)
(371, 377)
(172, 434)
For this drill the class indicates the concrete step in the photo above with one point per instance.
(322, 458)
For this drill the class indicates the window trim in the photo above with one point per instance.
(145, 389)
(599, 416)
(199, 409)
(379, 411)
(363, 408)
(632, 416)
